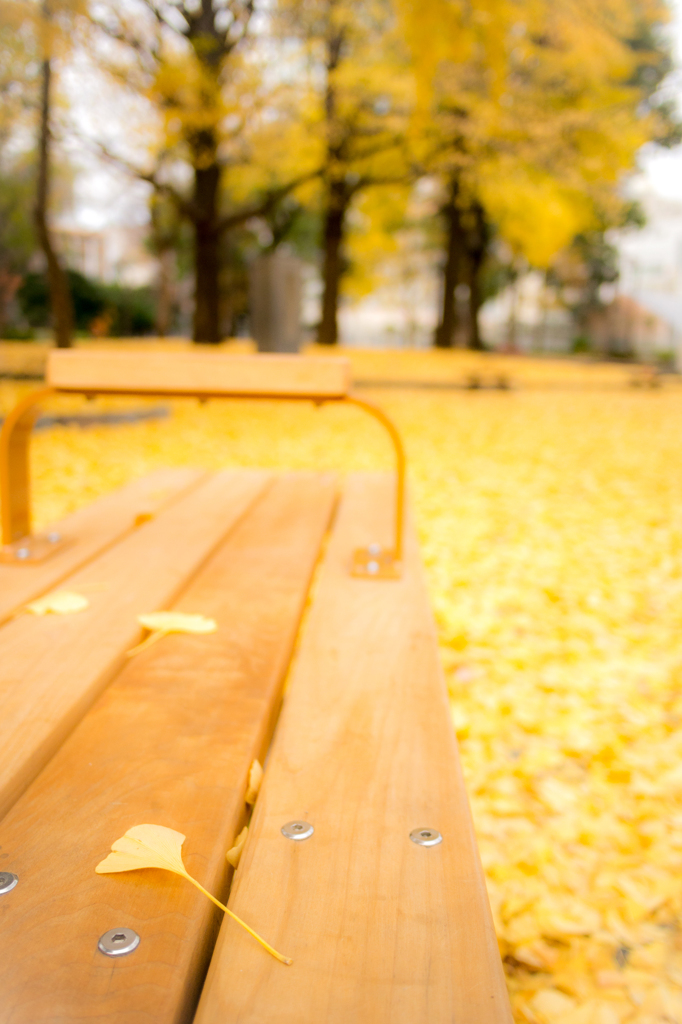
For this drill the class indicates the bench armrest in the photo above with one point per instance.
(180, 374)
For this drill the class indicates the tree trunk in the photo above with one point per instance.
(9, 284)
(478, 243)
(332, 268)
(445, 332)
(206, 255)
(60, 294)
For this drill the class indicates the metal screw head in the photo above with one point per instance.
(426, 837)
(23, 553)
(297, 830)
(54, 537)
(373, 568)
(7, 881)
(374, 549)
(118, 942)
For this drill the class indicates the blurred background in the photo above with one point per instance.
(489, 174)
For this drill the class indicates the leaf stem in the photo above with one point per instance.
(283, 959)
(151, 639)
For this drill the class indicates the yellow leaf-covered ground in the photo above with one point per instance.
(551, 527)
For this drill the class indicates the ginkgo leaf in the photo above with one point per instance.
(145, 846)
(255, 779)
(234, 854)
(163, 623)
(177, 622)
(156, 846)
(61, 602)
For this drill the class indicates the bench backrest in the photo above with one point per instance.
(198, 373)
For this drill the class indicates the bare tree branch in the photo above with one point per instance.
(267, 204)
(183, 205)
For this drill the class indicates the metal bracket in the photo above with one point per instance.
(375, 563)
(32, 549)
(20, 547)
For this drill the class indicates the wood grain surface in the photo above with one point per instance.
(380, 930)
(53, 667)
(91, 530)
(170, 742)
(212, 373)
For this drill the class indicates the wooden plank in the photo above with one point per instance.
(380, 930)
(171, 741)
(200, 373)
(89, 531)
(55, 666)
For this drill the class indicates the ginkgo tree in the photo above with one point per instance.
(33, 37)
(529, 115)
(214, 143)
(356, 106)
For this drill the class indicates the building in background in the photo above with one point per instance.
(113, 255)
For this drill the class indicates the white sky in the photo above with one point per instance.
(662, 169)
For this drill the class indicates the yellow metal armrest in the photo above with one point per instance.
(193, 374)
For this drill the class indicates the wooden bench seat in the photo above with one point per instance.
(381, 930)
(91, 530)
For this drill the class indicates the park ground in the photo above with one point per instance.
(548, 499)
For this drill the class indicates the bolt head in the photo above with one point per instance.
(297, 830)
(54, 537)
(23, 553)
(373, 568)
(426, 837)
(374, 549)
(7, 881)
(118, 942)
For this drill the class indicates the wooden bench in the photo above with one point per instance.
(381, 928)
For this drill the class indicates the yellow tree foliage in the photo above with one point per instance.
(536, 108)
(357, 106)
(529, 114)
(216, 121)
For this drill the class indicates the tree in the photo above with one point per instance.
(17, 99)
(531, 120)
(359, 99)
(164, 241)
(17, 187)
(191, 64)
(31, 37)
(60, 295)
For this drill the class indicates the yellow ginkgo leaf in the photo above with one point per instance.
(234, 854)
(177, 622)
(255, 779)
(61, 602)
(145, 846)
(155, 846)
(163, 623)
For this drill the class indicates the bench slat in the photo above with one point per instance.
(52, 668)
(210, 373)
(171, 742)
(89, 531)
(382, 931)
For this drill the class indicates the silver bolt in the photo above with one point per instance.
(297, 830)
(7, 881)
(23, 553)
(54, 537)
(373, 568)
(374, 549)
(426, 837)
(118, 942)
